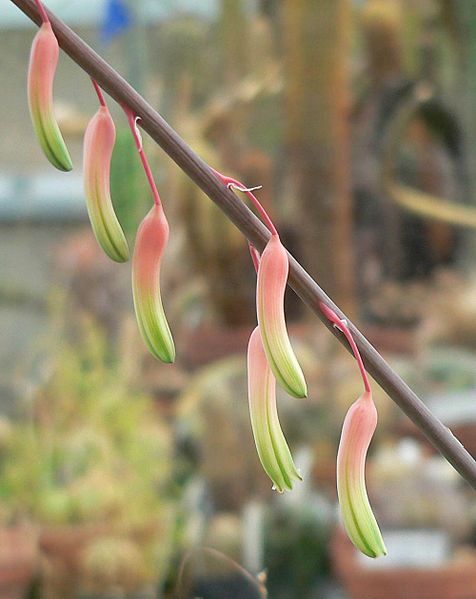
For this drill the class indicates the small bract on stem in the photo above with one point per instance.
(232, 183)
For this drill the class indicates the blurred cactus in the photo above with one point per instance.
(110, 563)
(95, 458)
(419, 202)
(216, 248)
(317, 139)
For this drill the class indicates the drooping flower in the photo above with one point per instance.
(99, 142)
(41, 73)
(358, 518)
(273, 450)
(151, 240)
(272, 278)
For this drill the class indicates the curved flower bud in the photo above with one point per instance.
(272, 277)
(99, 142)
(359, 521)
(273, 451)
(151, 240)
(41, 73)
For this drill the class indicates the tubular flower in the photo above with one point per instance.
(151, 240)
(98, 146)
(359, 521)
(273, 451)
(41, 73)
(272, 277)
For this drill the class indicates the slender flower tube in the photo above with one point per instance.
(151, 240)
(359, 521)
(272, 278)
(41, 73)
(357, 432)
(98, 146)
(273, 451)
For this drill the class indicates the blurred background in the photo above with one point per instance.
(121, 477)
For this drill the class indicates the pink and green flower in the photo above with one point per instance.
(97, 153)
(359, 521)
(272, 278)
(41, 73)
(357, 432)
(151, 240)
(273, 450)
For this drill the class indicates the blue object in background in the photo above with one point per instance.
(117, 19)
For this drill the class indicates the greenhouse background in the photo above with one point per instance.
(124, 477)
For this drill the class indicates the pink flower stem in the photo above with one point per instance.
(342, 326)
(42, 11)
(99, 93)
(254, 255)
(132, 120)
(230, 182)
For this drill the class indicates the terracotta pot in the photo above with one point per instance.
(18, 560)
(61, 547)
(454, 580)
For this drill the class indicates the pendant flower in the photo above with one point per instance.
(99, 142)
(152, 237)
(41, 73)
(273, 451)
(359, 521)
(272, 278)
(357, 432)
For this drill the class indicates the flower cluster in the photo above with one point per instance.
(271, 357)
